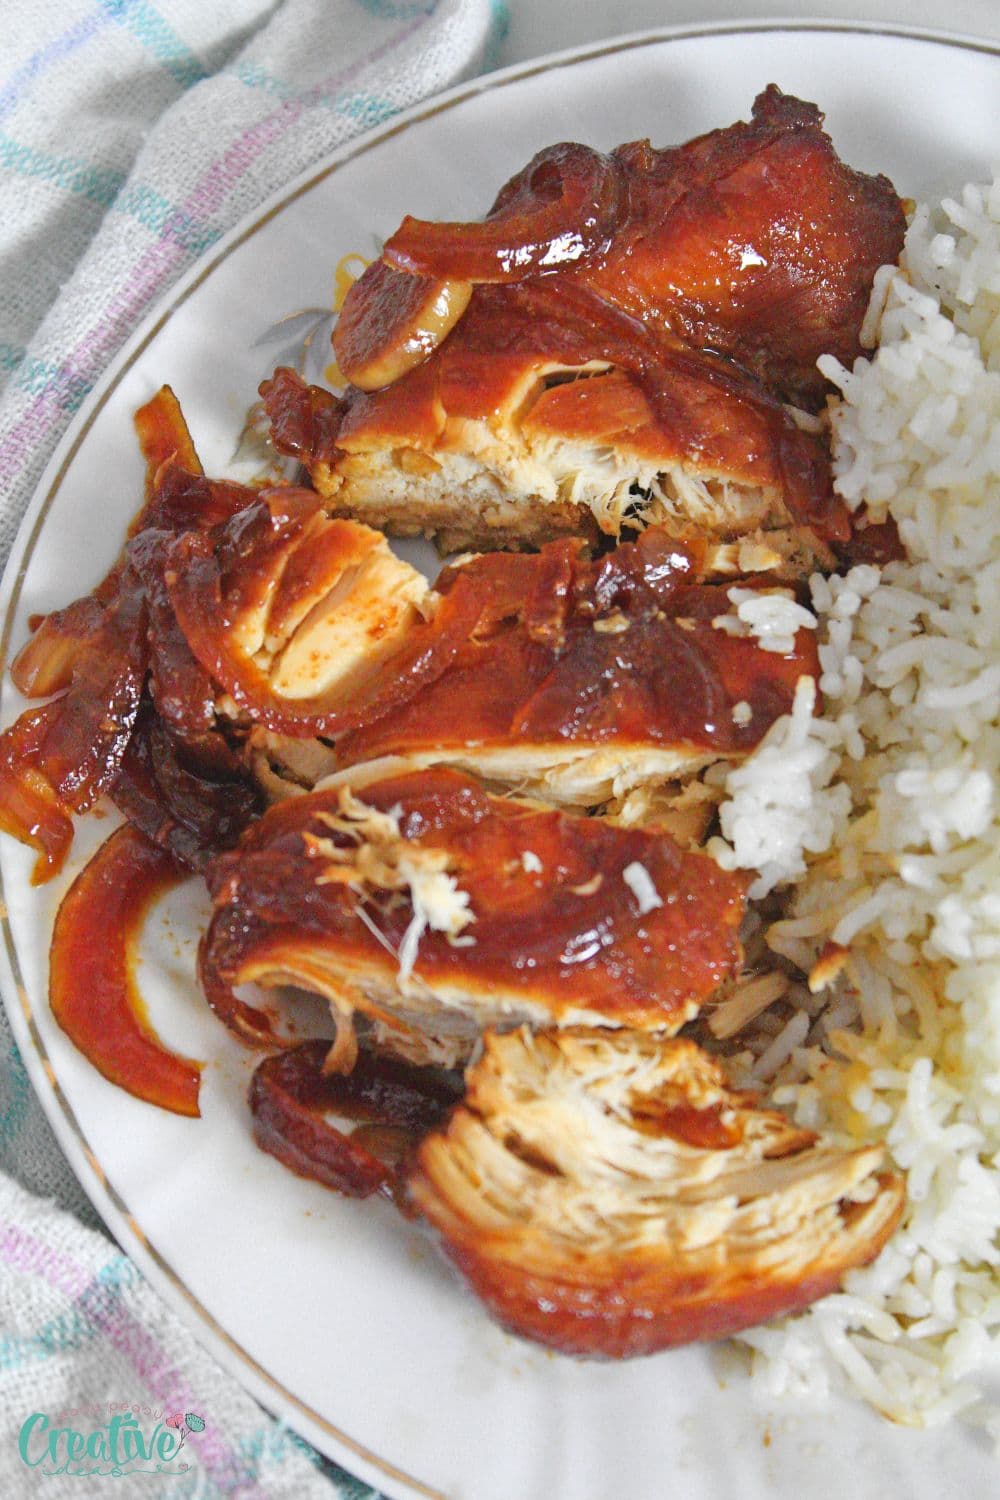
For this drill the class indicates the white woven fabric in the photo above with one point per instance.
(132, 135)
(85, 1338)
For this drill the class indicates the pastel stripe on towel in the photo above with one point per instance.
(110, 1341)
(153, 268)
(60, 47)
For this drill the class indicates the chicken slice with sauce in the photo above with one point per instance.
(639, 347)
(573, 680)
(607, 1193)
(434, 910)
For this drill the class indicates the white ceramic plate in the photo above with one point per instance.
(336, 1314)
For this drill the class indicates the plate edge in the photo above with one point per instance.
(102, 1193)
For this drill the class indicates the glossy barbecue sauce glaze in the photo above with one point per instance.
(565, 928)
(621, 650)
(712, 274)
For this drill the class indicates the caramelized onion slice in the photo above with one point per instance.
(391, 322)
(304, 419)
(30, 809)
(44, 664)
(91, 986)
(184, 501)
(91, 725)
(163, 434)
(562, 208)
(57, 760)
(290, 1096)
(188, 797)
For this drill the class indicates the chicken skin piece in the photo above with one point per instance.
(756, 242)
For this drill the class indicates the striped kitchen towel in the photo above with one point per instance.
(133, 133)
(84, 1340)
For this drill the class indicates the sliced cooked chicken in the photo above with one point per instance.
(639, 347)
(509, 450)
(435, 910)
(585, 680)
(608, 1194)
(286, 608)
(685, 810)
(571, 679)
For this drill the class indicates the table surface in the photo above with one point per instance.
(537, 27)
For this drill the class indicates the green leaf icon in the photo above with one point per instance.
(194, 1422)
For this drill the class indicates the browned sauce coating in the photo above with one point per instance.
(618, 651)
(572, 933)
(711, 275)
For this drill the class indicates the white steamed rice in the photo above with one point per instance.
(883, 812)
